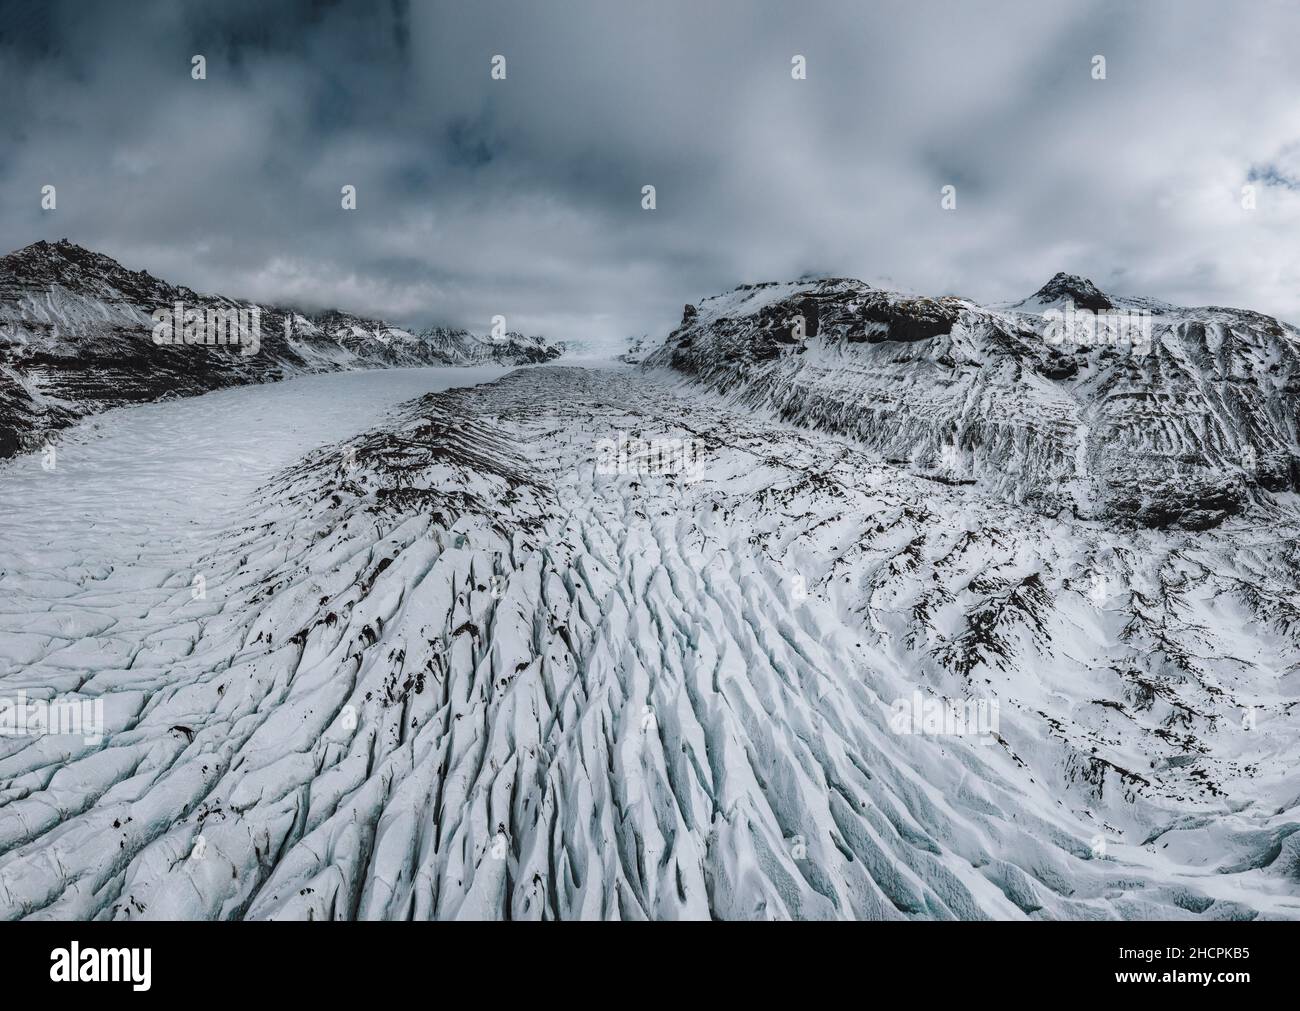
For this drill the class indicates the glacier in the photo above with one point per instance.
(448, 663)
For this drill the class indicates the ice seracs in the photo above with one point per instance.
(461, 669)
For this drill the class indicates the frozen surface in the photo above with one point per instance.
(455, 668)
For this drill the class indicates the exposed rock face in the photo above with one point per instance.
(906, 321)
(1079, 290)
(1181, 428)
(76, 337)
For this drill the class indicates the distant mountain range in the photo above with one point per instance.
(79, 334)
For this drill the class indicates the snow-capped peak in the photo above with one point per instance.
(1070, 288)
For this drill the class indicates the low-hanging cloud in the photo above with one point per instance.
(522, 196)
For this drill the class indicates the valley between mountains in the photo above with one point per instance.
(414, 634)
(451, 669)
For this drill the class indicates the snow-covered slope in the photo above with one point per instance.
(1181, 428)
(636, 351)
(77, 336)
(460, 347)
(474, 664)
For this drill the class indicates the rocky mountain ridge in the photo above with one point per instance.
(1047, 402)
(78, 335)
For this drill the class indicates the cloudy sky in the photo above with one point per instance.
(523, 196)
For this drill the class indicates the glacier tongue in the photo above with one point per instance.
(461, 667)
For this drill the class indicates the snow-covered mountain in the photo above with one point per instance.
(77, 335)
(832, 610)
(637, 349)
(1071, 401)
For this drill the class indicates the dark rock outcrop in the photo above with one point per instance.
(1079, 290)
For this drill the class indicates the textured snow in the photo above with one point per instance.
(452, 668)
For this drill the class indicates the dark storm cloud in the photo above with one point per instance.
(522, 196)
